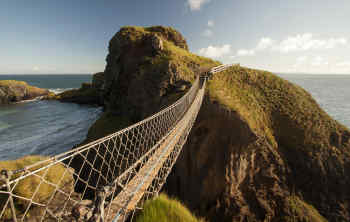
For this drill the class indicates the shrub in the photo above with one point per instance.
(27, 187)
(164, 209)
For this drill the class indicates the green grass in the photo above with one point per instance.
(12, 82)
(271, 105)
(302, 212)
(187, 66)
(107, 124)
(26, 187)
(164, 209)
(172, 54)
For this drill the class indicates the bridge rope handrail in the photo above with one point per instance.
(111, 167)
(63, 156)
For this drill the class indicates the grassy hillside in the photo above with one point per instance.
(269, 104)
(165, 209)
(14, 91)
(27, 187)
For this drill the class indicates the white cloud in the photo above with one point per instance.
(319, 61)
(307, 42)
(307, 61)
(264, 43)
(196, 4)
(216, 51)
(211, 23)
(302, 59)
(36, 68)
(343, 64)
(207, 33)
(245, 52)
(298, 43)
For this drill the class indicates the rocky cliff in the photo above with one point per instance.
(88, 93)
(14, 91)
(261, 149)
(147, 69)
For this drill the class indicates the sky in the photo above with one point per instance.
(71, 36)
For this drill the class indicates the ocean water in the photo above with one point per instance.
(55, 83)
(51, 127)
(44, 127)
(332, 93)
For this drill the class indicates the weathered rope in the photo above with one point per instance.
(121, 171)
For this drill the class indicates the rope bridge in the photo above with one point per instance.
(108, 179)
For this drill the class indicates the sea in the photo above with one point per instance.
(41, 127)
(332, 93)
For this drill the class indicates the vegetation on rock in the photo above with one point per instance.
(139, 79)
(107, 124)
(261, 148)
(164, 209)
(301, 211)
(33, 184)
(260, 139)
(14, 91)
(86, 94)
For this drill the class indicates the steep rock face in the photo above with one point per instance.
(143, 69)
(98, 80)
(147, 69)
(88, 93)
(14, 91)
(263, 150)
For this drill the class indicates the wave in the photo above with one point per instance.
(29, 100)
(59, 90)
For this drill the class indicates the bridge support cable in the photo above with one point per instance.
(108, 179)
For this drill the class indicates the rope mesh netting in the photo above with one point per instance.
(108, 179)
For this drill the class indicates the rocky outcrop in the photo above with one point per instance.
(14, 91)
(261, 148)
(98, 80)
(86, 94)
(147, 69)
(143, 70)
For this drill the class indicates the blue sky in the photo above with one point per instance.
(71, 36)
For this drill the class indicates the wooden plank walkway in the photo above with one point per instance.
(134, 190)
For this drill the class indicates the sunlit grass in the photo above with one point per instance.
(165, 209)
(33, 184)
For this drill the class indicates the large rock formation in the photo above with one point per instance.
(86, 94)
(14, 91)
(261, 149)
(144, 67)
(147, 69)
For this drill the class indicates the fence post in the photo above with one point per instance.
(99, 209)
(6, 176)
